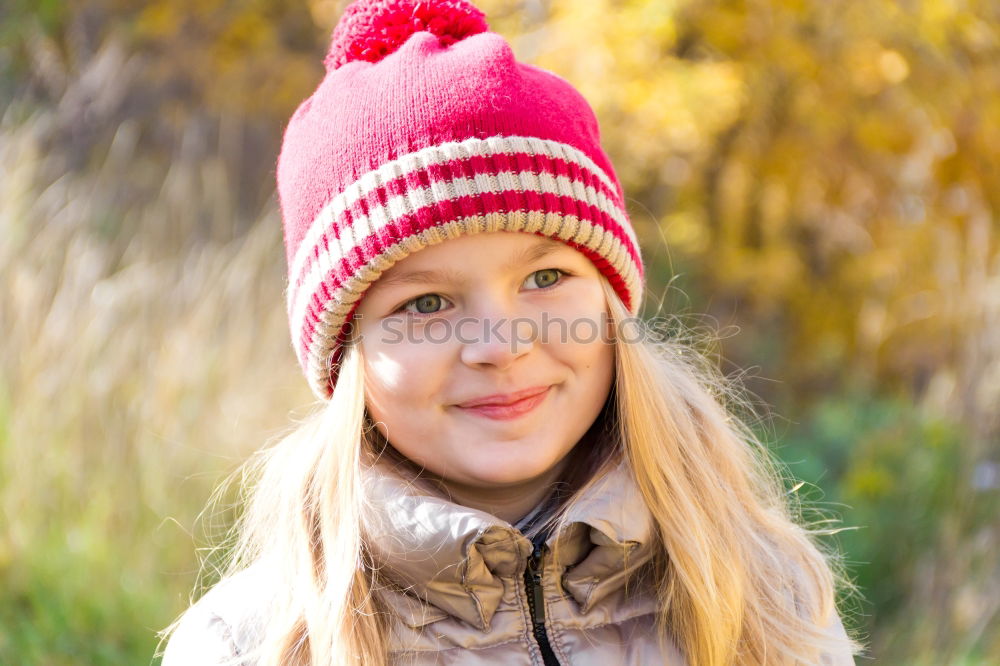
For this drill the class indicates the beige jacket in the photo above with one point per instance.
(483, 605)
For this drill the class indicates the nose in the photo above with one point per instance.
(497, 337)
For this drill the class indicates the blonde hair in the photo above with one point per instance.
(738, 577)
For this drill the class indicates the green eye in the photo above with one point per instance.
(546, 277)
(427, 304)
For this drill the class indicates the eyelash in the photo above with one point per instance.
(402, 308)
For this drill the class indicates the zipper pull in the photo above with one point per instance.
(535, 575)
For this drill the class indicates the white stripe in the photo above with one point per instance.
(433, 156)
(443, 190)
(320, 346)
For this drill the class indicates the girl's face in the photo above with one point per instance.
(487, 356)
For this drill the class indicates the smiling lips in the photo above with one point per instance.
(506, 406)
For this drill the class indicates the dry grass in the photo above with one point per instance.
(145, 351)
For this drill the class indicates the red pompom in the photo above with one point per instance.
(372, 29)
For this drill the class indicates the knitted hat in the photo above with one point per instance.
(424, 128)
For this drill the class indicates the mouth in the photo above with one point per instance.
(500, 399)
(507, 406)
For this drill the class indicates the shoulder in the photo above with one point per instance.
(843, 654)
(838, 647)
(222, 626)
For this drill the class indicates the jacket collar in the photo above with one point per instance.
(455, 557)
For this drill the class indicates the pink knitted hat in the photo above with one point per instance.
(425, 128)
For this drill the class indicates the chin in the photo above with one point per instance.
(503, 471)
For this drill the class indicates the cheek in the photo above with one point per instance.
(597, 360)
(579, 319)
(402, 376)
(402, 388)
(583, 298)
(590, 349)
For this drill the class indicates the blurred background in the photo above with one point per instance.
(816, 183)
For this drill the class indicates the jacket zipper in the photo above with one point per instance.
(536, 602)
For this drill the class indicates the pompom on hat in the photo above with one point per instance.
(424, 128)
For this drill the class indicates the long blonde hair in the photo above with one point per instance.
(739, 578)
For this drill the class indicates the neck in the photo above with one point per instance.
(513, 502)
(509, 502)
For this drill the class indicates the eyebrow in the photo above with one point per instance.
(526, 256)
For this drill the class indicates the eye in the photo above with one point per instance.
(546, 277)
(425, 304)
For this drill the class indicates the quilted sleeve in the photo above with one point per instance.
(201, 639)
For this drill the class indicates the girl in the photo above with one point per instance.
(508, 468)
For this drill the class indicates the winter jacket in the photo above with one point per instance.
(470, 589)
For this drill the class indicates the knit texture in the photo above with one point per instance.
(426, 128)
(372, 30)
